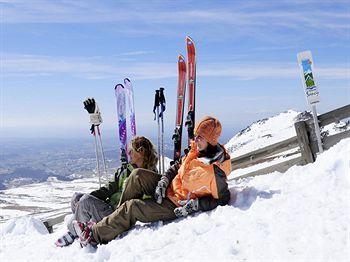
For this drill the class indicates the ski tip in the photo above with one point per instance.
(181, 58)
(126, 80)
(189, 40)
(190, 45)
(120, 85)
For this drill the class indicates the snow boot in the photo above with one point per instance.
(84, 231)
(65, 240)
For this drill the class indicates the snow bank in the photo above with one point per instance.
(23, 226)
(302, 215)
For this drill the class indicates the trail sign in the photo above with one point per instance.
(306, 65)
(307, 77)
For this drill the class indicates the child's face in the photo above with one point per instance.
(201, 143)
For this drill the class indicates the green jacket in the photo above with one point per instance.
(112, 191)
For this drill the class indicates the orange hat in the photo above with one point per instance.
(210, 129)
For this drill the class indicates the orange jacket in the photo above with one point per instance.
(201, 178)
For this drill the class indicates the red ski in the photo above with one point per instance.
(191, 76)
(181, 90)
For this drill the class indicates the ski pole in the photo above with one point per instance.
(159, 146)
(102, 151)
(156, 117)
(162, 109)
(95, 119)
(97, 162)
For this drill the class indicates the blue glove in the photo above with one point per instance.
(187, 207)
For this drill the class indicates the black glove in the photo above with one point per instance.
(90, 105)
(94, 112)
(187, 207)
(159, 194)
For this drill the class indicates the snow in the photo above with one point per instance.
(48, 198)
(301, 215)
(269, 131)
(24, 226)
(263, 133)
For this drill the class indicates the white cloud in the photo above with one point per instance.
(137, 53)
(93, 68)
(29, 65)
(149, 17)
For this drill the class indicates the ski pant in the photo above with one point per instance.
(133, 208)
(89, 208)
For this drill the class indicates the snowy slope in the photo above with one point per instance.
(269, 131)
(48, 198)
(263, 133)
(43, 199)
(53, 196)
(302, 215)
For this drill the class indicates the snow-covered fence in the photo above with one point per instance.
(324, 120)
(50, 222)
(264, 154)
(303, 146)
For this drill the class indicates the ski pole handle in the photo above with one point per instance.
(162, 100)
(156, 103)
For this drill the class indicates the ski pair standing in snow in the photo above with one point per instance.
(95, 119)
(196, 183)
(158, 110)
(91, 208)
(181, 91)
(123, 93)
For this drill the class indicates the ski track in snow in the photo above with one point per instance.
(301, 215)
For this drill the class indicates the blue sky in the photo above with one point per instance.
(54, 54)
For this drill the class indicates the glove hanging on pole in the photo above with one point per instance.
(95, 119)
(94, 112)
